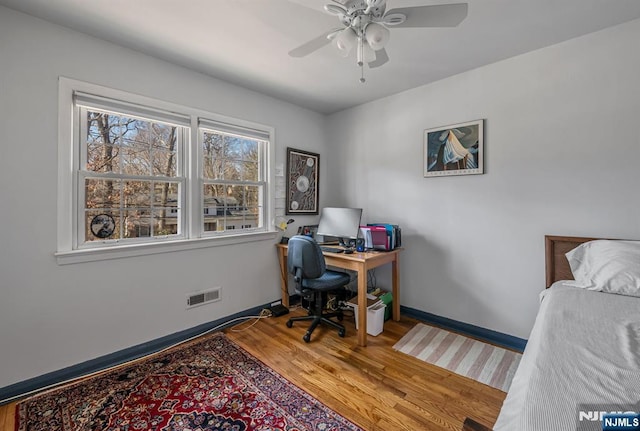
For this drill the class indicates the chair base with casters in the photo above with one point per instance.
(305, 262)
(317, 316)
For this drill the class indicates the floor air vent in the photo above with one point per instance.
(201, 298)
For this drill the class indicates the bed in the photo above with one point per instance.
(583, 354)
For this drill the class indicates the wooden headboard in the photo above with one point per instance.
(556, 264)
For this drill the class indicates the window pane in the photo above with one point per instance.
(231, 207)
(162, 137)
(212, 168)
(250, 150)
(102, 157)
(108, 128)
(165, 194)
(216, 205)
(252, 217)
(212, 152)
(250, 196)
(136, 160)
(117, 143)
(164, 163)
(165, 222)
(230, 157)
(233, 148)
(102, 193)
(232, 170)
(214, 198)
(249, 171)
(137, 223)
(101, 225)
(137, 194)
(233, 198)
(212, 224)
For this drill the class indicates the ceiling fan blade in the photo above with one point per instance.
(441, 15)
(313, 44)
(381, 58)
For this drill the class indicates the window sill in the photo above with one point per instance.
(131, 250)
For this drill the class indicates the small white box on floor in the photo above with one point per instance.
(375, 316)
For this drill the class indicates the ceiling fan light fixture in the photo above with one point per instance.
(377, 36)
(368, 54)
(335, 9)
(331, 36)
(375, 3)
(366, 26)
(394, 19)
(345, 41)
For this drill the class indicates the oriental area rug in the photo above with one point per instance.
(210, 384)
(485, 363)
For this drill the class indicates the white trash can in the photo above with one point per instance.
(375, 318)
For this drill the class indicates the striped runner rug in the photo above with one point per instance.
(485, 363)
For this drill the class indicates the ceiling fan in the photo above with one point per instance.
(365, 27)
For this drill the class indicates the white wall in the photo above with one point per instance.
(55, 316)
(562, 154)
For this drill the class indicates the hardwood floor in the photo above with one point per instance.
(7, 420)
(376, 387)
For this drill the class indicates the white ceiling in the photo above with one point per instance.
(246, 41)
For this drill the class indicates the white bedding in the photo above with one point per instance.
(584, 349)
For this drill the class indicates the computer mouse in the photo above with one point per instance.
(348, 251)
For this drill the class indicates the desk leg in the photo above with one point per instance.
(362, 306)
(395, 282)
(284, 277)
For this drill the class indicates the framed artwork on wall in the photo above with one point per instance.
(457, 149)
(303, 170)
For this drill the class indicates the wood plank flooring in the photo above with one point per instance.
(376, 387)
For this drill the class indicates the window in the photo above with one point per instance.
(130, 181)
(136, 171)
(233, 178)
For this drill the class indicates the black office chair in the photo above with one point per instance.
(313, 280)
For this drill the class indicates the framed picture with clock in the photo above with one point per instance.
(303, 169)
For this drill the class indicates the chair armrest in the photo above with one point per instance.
(471, 425)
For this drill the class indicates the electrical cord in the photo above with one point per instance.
(53, 386)
(371, 279)
(264, 313)
(332, 304)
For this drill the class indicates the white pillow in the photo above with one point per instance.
(607, 266)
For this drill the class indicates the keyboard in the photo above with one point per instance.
(331, 249)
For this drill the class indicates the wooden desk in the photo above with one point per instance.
(361, 263)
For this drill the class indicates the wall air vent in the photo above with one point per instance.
(201, 298)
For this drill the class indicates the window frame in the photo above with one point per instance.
(192, 234)
(209, 126)
(80, 242)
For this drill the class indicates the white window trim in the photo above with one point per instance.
(67, 186)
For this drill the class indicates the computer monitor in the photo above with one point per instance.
(342, 223)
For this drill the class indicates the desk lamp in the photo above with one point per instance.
(283, 227)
